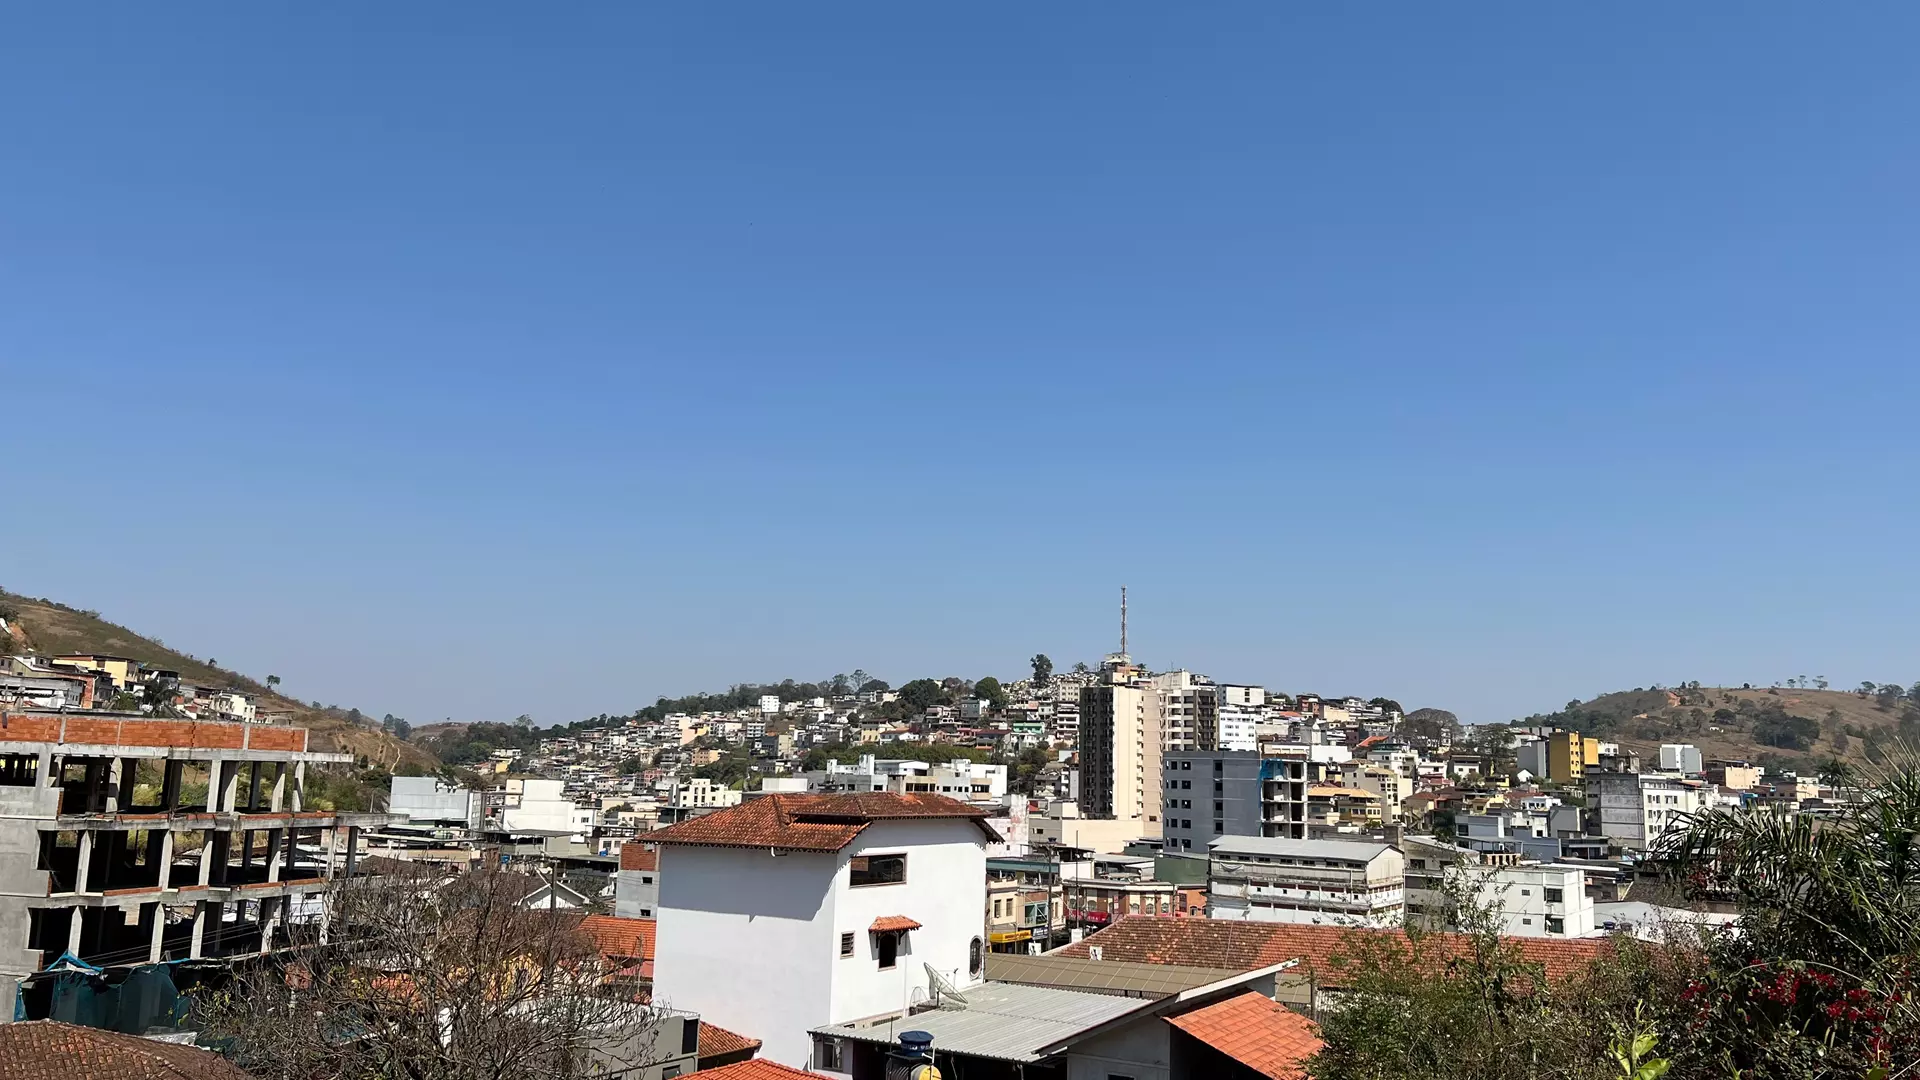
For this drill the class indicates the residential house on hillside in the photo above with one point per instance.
(792, 912)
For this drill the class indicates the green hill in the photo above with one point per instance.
(1784, 724)
(48, 627)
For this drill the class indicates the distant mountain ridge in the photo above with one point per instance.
(52, 628)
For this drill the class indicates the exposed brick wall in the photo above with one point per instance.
(276, 738)
(29, 728)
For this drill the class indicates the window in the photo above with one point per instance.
(877, 870)
(889, 949)
(1526, 892)
(1556, 925)
(1186, 765)
(690, 1036)
(1219, 767)
(1419, 864)
(826, 1055)
(1219, 826)
(1553, 896)
(975, 957)
(646, 879)
(1186, 804)
(1186, 785)
(671, 1071)
(646, 913)
(846, 944)
(1216, 787)
(1216, 806)
(1186, 823)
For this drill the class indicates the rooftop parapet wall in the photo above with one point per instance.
(83, 730)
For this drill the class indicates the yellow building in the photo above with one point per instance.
(1568, 755)
(124, 672)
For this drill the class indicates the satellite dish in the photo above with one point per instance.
(945, 989)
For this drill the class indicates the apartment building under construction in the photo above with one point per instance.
(110, 854)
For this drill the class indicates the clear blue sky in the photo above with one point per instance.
(470, 360)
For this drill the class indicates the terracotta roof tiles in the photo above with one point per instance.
(1255, 1031)
(1246, 945)
(48, 1050)
(885, 923)
(716, 1041)
(626, 939)
(811, 822)
(757, 1069)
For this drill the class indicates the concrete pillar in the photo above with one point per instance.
(253, 786)
(206, 858)
(159, 933)
(230, 791)
(170, 771)
(270, 908)
(299, 786)
(119, 785)
(279, 801)
(276, 841)
(46, 776)
(199, 929)
(166, 860)
(73, 930)
(246, 852)
(83, 866)
(353, 848)
(214, 780)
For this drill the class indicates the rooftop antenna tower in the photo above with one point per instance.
(1123, 620)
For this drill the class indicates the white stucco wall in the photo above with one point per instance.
(746, 940)
(945, 891)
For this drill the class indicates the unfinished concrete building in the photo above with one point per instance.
(119, 873)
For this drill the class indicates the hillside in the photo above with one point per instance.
(55, 628)
(1784, 724)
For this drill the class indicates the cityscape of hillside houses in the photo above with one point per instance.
(1154, 860)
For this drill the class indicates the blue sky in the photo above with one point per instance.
(471, 360)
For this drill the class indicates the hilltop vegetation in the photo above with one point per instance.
(52, 628)
(1785, 724)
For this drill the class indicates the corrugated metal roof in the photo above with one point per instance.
(1106, 976)
(1004, 1021)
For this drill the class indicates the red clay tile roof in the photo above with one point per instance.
(47, 1050)
(757, 1069)
(811, 822)
(635, 856)
(716, 1041)
(892, 922)
(1255, 1031)
(1242, 946)
(626, 939)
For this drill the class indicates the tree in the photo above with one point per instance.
(401, 729)
(989, 690)
(273, 681)
(449, 980)
(1042, 669)
(920, 693)
(1436, 725)
(1820, 682)
(1080, 667)
(841, 686)
(632, 765)
(212, 663)
(1386, 704)
(875, 686)
(523, 721)
(1829, 932)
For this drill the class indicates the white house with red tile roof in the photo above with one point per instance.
(792, 912)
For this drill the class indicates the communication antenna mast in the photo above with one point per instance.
(1123, 620)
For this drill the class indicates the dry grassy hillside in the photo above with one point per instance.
(53, 628)
(1785, 723)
